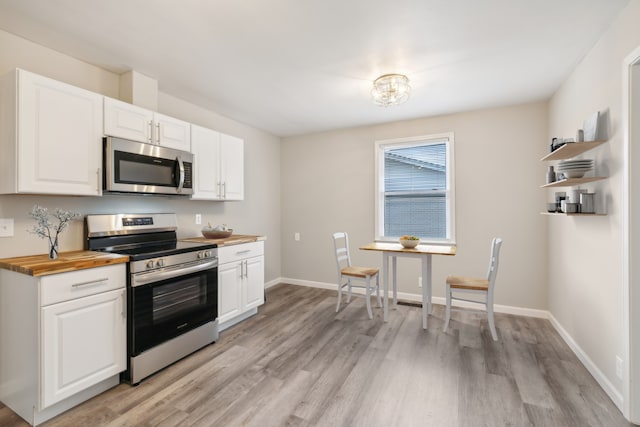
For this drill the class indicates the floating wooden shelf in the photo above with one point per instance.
(571, 150)
(573, 181)
(572, 214)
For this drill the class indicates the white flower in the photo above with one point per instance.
(44, 228)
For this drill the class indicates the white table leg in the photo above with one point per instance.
(385, 275)
(426, 288)
(394, 261)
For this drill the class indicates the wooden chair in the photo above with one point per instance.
(348, 272)
(484, 287)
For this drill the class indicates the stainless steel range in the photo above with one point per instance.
(172, 288)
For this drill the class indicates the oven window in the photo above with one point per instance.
(175, 298)
(163, 310)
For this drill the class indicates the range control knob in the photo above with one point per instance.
(201, 255)
(150, 264)
(160, 263)
(208, 254)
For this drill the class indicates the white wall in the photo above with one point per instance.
(585, 254)
(328, 186)
(259, 213)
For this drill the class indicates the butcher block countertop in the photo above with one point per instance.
(41, 265)
(234, 239)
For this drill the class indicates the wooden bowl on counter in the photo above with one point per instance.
(216, 234)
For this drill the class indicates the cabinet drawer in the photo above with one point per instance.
(238, 252)
(75, 284)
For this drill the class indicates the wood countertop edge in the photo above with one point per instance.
(41, 265)
(228, 241)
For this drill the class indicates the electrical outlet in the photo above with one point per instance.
(296, 237)
(198, 219)
(419, 282)
(618, 367)
(6, 227)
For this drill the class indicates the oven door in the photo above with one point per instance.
(164, 309)
(135, 167)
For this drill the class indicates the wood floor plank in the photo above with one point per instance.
(299, 363)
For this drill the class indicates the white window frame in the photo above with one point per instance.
(380, 147)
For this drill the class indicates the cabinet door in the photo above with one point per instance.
(254, 282)
(127, 121)
(205, 145)
(59, 137)
(172, 133)
(232, 167)
(229, 291)
(83, 343)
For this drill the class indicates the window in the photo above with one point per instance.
(415, 191)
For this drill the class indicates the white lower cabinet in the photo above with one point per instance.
(83, 343)
(240, 282)
(62, 338)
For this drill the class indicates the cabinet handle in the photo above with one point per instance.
(246, 251)
(224, 190)
(124, 303)
(149, 131)
(158, 132)
(90, 283)
(246, 269)
(99, 175)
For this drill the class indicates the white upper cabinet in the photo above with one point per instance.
(232, 167)
(129, 121)
(50, 137)
(219, 165)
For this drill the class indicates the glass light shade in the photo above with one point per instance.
(390, 89)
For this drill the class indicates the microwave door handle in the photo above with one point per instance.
(181, 167)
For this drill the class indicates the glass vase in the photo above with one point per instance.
(53, 248)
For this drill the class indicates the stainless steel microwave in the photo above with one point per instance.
(136, 167)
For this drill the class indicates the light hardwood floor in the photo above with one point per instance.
(298, 363)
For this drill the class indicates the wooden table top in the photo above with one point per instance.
(234, 239)
(41, 265)
(420, 249)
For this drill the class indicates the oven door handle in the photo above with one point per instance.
(181, 167)
(156, 276)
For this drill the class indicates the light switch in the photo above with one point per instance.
(198, 219)
(6, 227)
(296, 237)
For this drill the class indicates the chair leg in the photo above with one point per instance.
(492, 324)
(348, 291)
(339, 295)
(378, 290)
(447, 315)
(369, 297)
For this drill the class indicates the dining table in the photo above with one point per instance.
(424, 252)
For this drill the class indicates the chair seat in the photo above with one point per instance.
(472, 283)
(361, 272)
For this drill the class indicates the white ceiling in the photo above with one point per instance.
(300, 66)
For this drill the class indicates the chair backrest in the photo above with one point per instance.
(341, 246)
(494, 261)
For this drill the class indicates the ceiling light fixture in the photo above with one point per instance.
(390, 89)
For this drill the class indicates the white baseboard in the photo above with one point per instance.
(614, 394)
(604, 382)
(417, 298)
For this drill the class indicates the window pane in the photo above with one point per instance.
(415, 190)
(419, 215)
